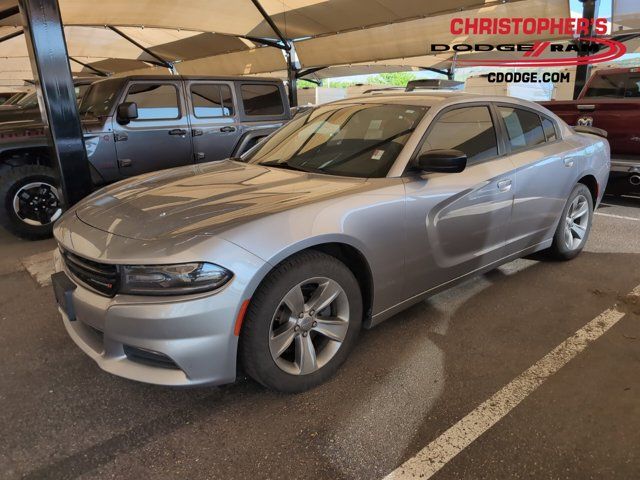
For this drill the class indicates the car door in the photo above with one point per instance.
(457, 222)
(215, 125)
(543, 172)
(159, 138)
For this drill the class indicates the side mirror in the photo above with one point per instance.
(444, 161)
(127, 111)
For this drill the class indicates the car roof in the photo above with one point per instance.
(422, 98)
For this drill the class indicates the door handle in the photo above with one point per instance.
(504, 185)
(586, 107)
(228, 129)
(120, 137)
(568, 162)
(125, 162)
(196, 132)
(178, 131)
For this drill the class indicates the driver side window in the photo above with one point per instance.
(468, 129)
(154, 101)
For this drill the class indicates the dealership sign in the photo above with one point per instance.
(535, 54)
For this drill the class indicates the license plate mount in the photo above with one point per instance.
(63, 289)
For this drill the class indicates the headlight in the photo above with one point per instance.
(172, 279)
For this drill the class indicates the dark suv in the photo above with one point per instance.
(134, 125)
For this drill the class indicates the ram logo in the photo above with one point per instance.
(585, 121)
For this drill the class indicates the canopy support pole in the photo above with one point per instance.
(9, 12)
(163, 62)
(289, 53)
(272, 24)
(49, 61)
(292, 75)
(89, 67)
(309, 71)
(589, 11)
(264, 41)
(15, 34)
(436, 70)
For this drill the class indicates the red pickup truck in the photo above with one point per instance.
(611, 101)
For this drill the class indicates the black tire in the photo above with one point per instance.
(254, 351)
(12, 182)
(559, 249)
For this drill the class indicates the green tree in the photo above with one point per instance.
(397, 79)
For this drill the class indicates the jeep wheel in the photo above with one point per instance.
(31, 201)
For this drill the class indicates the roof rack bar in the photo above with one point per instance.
(163, 62)
(272, 24)
(101, 73)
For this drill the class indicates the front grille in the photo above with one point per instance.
(148, 357)
(101, 277)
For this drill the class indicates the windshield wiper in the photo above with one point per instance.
(288, 166)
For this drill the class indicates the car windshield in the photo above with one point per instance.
(99, 99)
(356, 140)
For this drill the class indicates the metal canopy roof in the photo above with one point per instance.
(225, 37)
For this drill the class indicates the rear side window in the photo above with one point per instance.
(549, 130)
(523, 126)
(155, 101)
(468, 129)
(609, 86)
(633, 87)
(260, 99)
(211, 100)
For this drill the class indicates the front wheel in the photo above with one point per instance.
(31, 201)
(301, 323)
(575, 224)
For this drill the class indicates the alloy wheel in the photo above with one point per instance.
(309, 326)
(576, 222)
(37, 203)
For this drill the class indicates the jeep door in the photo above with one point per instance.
(215, 126)
(457, 222)
(159, 138)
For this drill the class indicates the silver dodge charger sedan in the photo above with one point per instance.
(350, 213)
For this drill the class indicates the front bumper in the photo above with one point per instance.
(177, 341)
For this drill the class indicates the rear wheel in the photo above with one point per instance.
(31, 201)
(575, 224)
(302, 323)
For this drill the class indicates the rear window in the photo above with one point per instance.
(260, 99)
(549, 130)
(609, 86)
(633, 87)
(523, 127)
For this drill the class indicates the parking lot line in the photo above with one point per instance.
(617, 216)
(439, 452)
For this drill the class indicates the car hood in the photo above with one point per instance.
(205, 199)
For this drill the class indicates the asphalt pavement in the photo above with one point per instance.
(407, 383)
